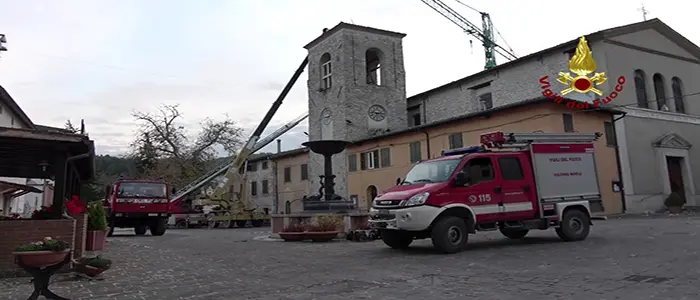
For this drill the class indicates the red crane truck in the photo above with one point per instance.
(138, 204)
(513, 182)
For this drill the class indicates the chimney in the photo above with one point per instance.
(279, 145)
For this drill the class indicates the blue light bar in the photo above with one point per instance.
(460, 151)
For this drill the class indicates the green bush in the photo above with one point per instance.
(97, 217)
(674, 200)
(97, 262)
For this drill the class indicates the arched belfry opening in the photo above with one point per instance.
(326, 81)
(373, 66)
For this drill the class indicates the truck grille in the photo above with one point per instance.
(387, 203)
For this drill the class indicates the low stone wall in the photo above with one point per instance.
(351, 221)
(16, 232)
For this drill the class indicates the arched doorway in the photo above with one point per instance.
(371, 194)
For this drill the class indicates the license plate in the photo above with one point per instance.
(152, 215)
(384, 212)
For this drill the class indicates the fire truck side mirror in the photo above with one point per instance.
(398, 180)
(172, 191)
(461, 179)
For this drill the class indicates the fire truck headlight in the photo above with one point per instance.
(418, 199)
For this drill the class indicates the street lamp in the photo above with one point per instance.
(2, 41)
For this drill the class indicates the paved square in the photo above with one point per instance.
(641, 258)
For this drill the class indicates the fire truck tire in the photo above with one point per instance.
(110, 229)
(182, 224)
(575, 225)
(514, 233)
(140, 230)
(450, 234)
(397, 239)
(159, 227)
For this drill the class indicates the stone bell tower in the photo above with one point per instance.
(357, 89)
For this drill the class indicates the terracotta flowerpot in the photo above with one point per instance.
(321, 236)
(95, 240)
(293, 236)
(87, 270)
(675, 209)
(41, 259)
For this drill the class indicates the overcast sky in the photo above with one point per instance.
(101, 59)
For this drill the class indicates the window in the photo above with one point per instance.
(264, 165)
(479, 170)
(369, 160)
(456, 140)
(416, 119)
(511, 168)
(252, 167)
(568, 120)
(485, 101)
(287, 174)
(610, 139)
(265, 188)
(304, 172)
(253, 188)
(660, 92)
(352, 162)
(326, 81)
(385, 154)
(415, 152)
(373, 66)
(677, 87)
(641, 88)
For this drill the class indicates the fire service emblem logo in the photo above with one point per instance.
(581, 65)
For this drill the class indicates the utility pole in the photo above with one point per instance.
(644, 12)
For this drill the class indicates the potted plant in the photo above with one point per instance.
(364, 232)
(293, 232)
(325, 229)
(91, 266)
(44, 253)
(42, 214)
(96, 227)
(674, 202)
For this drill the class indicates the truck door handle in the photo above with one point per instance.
(526, 188)
(497, 190)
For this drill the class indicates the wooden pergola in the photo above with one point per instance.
(66, 158)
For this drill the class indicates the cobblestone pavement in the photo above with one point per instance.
(622, 259)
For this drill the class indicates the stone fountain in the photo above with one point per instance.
(327, 199)
(326, 202)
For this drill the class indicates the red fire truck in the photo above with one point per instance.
(138, 204)
(513, 182)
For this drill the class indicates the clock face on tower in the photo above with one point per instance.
(377, 113)
(326, 115)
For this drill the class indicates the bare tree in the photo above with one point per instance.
(168, 151)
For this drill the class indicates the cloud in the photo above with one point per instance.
(102, 60)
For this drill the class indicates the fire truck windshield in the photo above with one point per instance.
(142, 189)
(431, 171)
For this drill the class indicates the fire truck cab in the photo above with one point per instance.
(512, 182)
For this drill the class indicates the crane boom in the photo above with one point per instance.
(218, 171)
(250, 146)
(485, 35)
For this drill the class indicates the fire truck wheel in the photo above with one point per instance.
(449, 234)
(514, 233)
(140, 230)
(574, 226)
(110, 228)
(397, 239)
(159, 227)
(182, 224)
